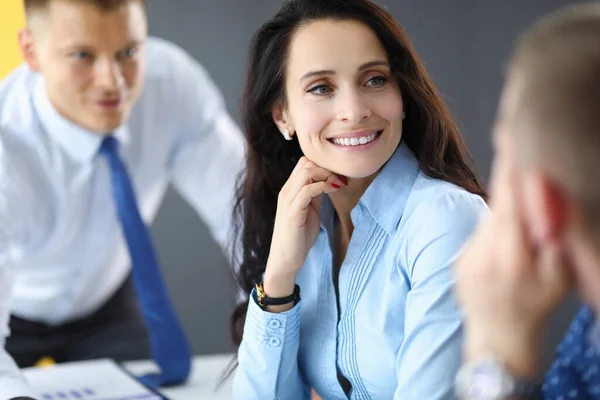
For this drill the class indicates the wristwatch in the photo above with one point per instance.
(487, 379)
(264, 300)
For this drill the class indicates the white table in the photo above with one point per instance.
(206, 374)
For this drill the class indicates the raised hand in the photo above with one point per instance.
(297, 223)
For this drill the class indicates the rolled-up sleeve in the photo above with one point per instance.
(268, 356)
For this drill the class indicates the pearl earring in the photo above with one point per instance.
(287, 135)
(403, 115)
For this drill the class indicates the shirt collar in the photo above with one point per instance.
(80, 143)
(386, 196)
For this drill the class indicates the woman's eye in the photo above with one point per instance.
(377, 81)
(320, 89)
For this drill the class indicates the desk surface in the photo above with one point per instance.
(206, 374)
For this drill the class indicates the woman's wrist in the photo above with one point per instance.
(277, 285)
(278, 281)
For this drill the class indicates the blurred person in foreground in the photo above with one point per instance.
(543, 236)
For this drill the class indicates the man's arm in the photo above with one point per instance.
(208, 151)
(12, 382)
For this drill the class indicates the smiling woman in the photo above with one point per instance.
(12, 18)
(358, 194)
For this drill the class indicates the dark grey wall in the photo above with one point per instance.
(464, 44)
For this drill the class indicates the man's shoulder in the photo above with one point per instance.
(165, 57)
(17, 113)
(21, 76)
(17, 87)
(172, 73)
(155, 44)
(19, 144)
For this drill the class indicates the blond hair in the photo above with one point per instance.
(557, 62)
(103, 5)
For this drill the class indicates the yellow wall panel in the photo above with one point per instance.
(12, 18)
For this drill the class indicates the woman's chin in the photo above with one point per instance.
(356, 171)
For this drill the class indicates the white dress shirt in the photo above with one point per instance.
(62, 253)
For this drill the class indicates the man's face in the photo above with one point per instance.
(510, 140)
(548, 212)
(92, 61)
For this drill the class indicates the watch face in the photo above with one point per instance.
(485, 384)
(484, 380)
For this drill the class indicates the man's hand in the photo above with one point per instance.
(507, 286)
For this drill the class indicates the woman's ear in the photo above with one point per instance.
(281, 119)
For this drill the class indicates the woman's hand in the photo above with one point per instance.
(297, 224)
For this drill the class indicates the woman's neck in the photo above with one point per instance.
(344, 201)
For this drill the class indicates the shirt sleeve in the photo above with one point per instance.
(574, 373)
(12, 383)
(208, 150)
(562, 380)
(268, 356)
(430, 354)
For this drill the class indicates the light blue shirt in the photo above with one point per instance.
(62, 252)
(399, 331)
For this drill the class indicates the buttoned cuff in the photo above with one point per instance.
(272, 329)
(268, 355)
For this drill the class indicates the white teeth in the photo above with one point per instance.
(355, 141)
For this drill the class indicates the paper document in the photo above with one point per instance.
(86, 380)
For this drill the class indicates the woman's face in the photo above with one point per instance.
(342, 101)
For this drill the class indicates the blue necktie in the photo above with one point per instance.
(169, 346)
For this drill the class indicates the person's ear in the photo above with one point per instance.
(546, 207)
(281, 119)
(28, 49)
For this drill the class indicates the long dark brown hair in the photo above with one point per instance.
(428, 129)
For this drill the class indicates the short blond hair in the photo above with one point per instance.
(558, 101)
(103, 5)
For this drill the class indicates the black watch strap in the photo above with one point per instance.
(526, 389)
(489, 376)
(264, 300)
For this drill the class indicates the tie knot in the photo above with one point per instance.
(110, 146)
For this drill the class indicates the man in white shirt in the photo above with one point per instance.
(91, 72)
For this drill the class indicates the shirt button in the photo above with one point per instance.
(275, 342)
(274, 323)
